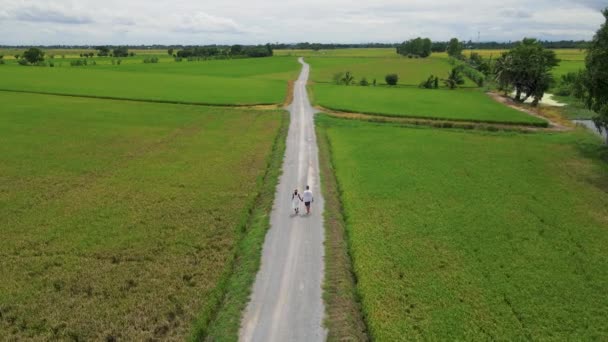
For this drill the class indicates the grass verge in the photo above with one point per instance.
(344, 318)
(223, 324)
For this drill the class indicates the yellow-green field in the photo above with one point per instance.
(121, 220)
(373, 52)
(474, 236)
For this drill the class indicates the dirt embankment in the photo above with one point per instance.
(556, 121)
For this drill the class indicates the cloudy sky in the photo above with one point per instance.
(24, 22)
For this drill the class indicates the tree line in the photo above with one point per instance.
(232, 51)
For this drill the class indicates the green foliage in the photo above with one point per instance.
(594, 79)
(419, 47)
(213, 52)
(571, 83)
(236, 50)
(170, 51)
(364, 82)
(33, 55)
(457, 105)
(344, 78)
(460, 236)
(455, 48)
(149, 60)
(439, 47)
(477, 62)
(103, 51)
(527, 68)
(430, 83)
(79, 62)
(348, 78)
(476, 76)
(391, 79)
(337, 78)
(454, 78)
(120, 52)
(130, 189)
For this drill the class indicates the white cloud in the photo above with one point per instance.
(260, 21)
(201, 22)
(49, 13)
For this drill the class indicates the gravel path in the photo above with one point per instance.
(286, 304)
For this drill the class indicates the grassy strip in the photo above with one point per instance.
(344, 318)
(223, 323)
(441, 124)
(137, 99)
(439, 118)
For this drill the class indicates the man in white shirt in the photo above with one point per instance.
(307, 196)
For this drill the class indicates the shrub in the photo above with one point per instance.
(430, 83)
(337, 78)
(148, 60)
(476, 76)
(348, 78)
(563, 90)
(178, 59)
(33, 55)
(391, 79)
(120, 52)
(364, 82)
(51, 64)
(22, 62)
(78, 62)
(2, 61)
(454, 78)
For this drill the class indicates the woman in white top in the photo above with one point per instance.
(295, 201)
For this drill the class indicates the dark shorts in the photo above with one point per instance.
(307, 204)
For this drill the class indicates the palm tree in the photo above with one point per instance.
(454, 79)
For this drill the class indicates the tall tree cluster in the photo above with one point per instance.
(417, 47)
(594, 80)
(527, 69)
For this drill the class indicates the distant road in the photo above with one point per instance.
(286, 304)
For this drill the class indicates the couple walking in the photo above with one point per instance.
(306, 198)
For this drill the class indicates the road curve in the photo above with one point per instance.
(286, 303)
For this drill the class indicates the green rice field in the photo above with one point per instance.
(474, 236)
(411, 71)
(460, 105)
(121, 220)
(221, 82)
